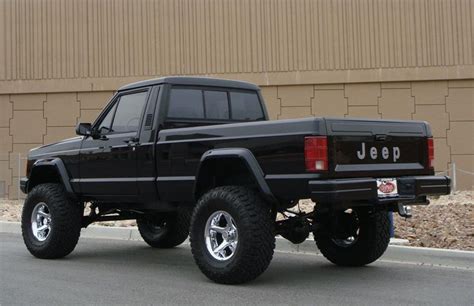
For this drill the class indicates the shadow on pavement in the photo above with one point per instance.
(285, 269)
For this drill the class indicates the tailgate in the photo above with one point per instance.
(377, 148)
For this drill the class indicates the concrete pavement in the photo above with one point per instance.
(129, 272)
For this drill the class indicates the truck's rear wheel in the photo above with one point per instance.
(232, 238)
(50, 222)
(357, 238)
(165, 231)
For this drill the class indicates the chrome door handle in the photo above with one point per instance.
(132, 141)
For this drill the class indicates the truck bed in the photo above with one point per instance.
(278, 147)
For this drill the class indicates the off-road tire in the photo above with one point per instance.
(66, 216)
(174, 230)
(256, 238)
(372, 241)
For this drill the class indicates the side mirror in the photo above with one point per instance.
(84, 129)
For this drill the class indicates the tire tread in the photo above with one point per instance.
(259, 233)
(66, 220)
(176, 233)
(367, 250)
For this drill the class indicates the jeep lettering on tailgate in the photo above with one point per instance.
(374, 153)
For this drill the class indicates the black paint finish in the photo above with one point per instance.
(159, 163)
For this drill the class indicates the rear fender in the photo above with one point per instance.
(244, 156)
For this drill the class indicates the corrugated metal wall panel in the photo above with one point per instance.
(49, 39)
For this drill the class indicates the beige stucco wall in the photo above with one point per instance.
(29, 120)
(60, 60)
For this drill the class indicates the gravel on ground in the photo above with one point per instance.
(448, 223)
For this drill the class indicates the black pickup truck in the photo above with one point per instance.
(198, 156)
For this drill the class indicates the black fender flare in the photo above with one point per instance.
(249, 160)
(60, 168)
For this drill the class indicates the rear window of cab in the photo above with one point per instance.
(214, 104)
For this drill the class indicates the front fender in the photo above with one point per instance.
(59, 168)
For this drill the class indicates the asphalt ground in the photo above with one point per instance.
(107, 272)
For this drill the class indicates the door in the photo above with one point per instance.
(108, 161)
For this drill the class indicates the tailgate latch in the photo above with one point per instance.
(380, 137)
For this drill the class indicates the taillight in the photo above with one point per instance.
(430, 153)
(316, 153)
(29, 165)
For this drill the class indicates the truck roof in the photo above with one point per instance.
(197, 81)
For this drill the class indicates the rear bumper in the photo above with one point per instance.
(24, 185)
(409, 189)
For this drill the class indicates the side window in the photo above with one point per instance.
(104, 126)
(245, 106)
(128, 113)
(216, 104)
(186, 103)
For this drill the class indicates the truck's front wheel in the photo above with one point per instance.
(50, 222)
(232, 238)
(354, 237)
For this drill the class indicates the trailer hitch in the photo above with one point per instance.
(404, 210)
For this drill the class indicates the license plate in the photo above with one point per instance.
(387, 187)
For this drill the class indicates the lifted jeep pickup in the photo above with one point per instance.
(198, 156)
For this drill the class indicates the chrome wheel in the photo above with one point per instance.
(157, 228)
(41, 221)
(349, 229)
(221, 235)
(345, 242)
